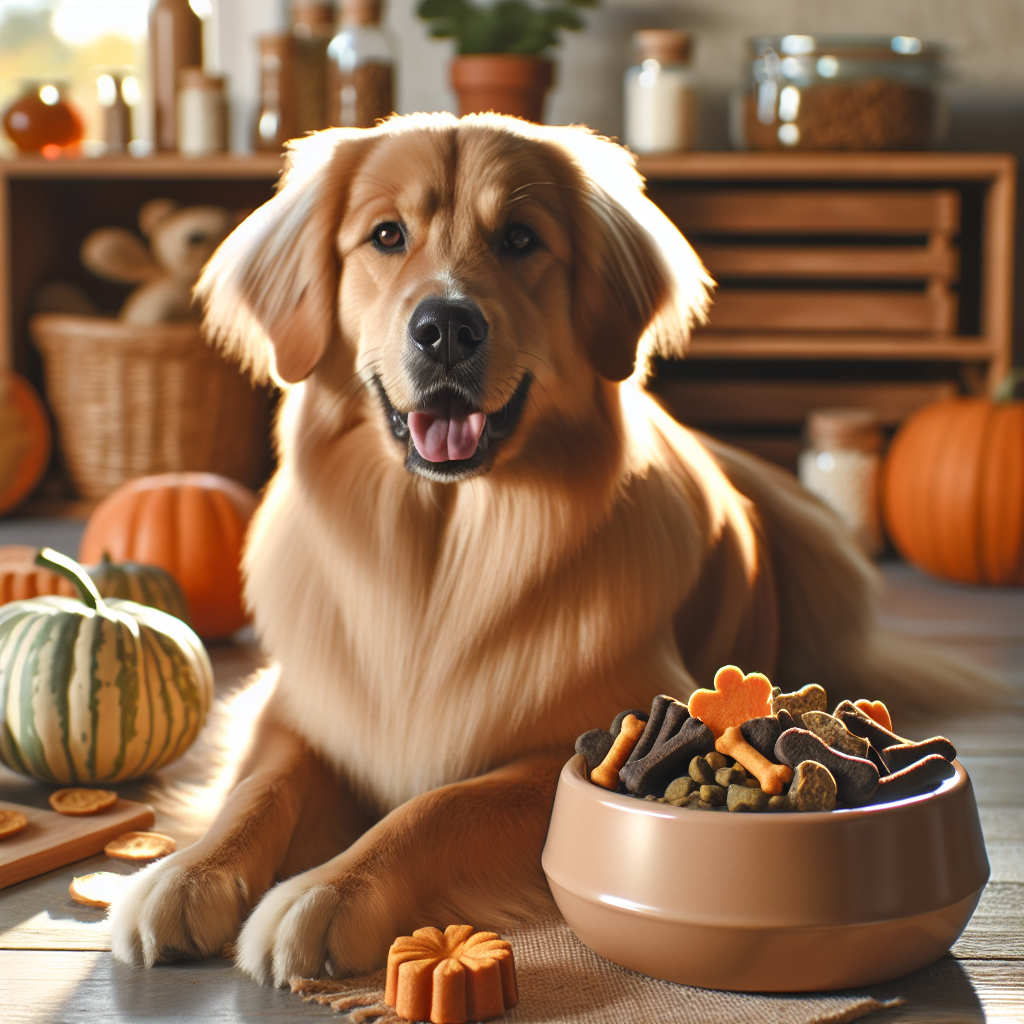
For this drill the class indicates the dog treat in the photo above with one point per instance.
(78, 802)
(11, 823)
(667, 759)
(97, 889)
(786, 721)
(735, 699)
(861, 725)
(713, 794)
(877, 710)
(780, 803)
(652, 730)
(744, 798)
(921, 777)
(679, 791)
(716, 760)
(762, 734)
(606, 774)
(733, 776)
(814, 788)
(772, 777)
(140, 846)
(903, 755)
(856, 778)
(701, 772)
(594, 746)
(450, 977)
(617, 720)
(835, 734)
(808, 698)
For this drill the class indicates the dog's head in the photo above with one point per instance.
(482, 277)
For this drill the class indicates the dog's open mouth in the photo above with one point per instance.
(448, 438)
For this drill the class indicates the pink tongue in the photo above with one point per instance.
(447, 431)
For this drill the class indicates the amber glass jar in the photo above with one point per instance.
(361, 68)
(41, 117)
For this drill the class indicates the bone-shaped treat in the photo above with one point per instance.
(762, 734)
(903, 755)
(863, 725)
(617, 720)
(921, 777)
(668, 758)
(772, 777)
(594, 745)
(856, 778)
(835, 734)
(659, 706)
(808, 698)
(606, 774)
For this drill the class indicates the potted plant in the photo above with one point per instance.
(500, 63)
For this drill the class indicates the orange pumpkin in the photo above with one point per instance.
(953, 490)
(21, 577)
(191, 524)
(26, 440)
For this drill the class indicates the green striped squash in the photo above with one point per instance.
(144, 584)
(96, 690)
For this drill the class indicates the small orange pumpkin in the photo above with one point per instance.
(191, 524)
(953, 490)
(21, 577)
(26, 440)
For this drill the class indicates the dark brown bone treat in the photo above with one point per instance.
(650, 734)
(669, 759)
(811, 697)
(675, 714)
(594, 746)
(640, 716)
(903, 755)
(786, 721)
(921, 777)
(813, 787)
(856, 778)
(835, 734)
(876, 759)
(763, 733)
(861, 725)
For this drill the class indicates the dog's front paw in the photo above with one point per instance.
(177, 909)
(308, 925)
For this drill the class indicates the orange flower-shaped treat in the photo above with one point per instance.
(735, 699)
(452, 976)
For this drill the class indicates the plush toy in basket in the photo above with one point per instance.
(181, 240)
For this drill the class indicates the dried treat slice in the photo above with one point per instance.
(451, 976)
(97, 889)
(811, 697)
(140, 846)
(78, 802)
(735, 699)
(11, 823)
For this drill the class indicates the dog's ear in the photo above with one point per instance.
(638, 284)
(270, 291)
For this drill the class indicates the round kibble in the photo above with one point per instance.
(701, 771)
(813, 787)
(713, 795)
(11, 823)
(78, 802)
(743, 798)
(718, 760)
(679, 790)
(140, 846)
(780, 802)
(726, 777)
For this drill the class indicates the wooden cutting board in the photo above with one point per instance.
(52, 840)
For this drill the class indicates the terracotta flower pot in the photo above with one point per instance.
(507, 83)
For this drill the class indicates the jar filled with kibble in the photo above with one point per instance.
(361, 67)
(834, 92)
(841, 464)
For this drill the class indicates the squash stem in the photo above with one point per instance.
(71, 570)
(1008, 385)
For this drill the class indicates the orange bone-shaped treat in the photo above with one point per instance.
(450, 977)
(606, 774)
(734, 699)
(877, 710)
(772, 777)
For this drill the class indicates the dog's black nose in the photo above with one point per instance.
(447, 330)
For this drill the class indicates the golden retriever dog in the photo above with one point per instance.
(483, 539)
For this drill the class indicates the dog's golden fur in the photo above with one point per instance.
(440, 644)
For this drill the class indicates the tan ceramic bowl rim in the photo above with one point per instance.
(573, 774)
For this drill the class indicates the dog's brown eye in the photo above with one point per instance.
(389, 236)
(520, 239)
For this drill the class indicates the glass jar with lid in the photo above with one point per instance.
(839, 92)
(660, 103)
(361, 67)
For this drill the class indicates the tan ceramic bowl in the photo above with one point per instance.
(765, 902)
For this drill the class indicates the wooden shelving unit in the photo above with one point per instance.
(875, 279)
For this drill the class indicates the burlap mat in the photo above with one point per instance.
(561, 981)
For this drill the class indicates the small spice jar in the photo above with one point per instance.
(361, 67)
(202, 113)
(841, 466)
(660, 102)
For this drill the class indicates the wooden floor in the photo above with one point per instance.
(55, 963)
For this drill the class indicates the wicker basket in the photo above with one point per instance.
(132, 399)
